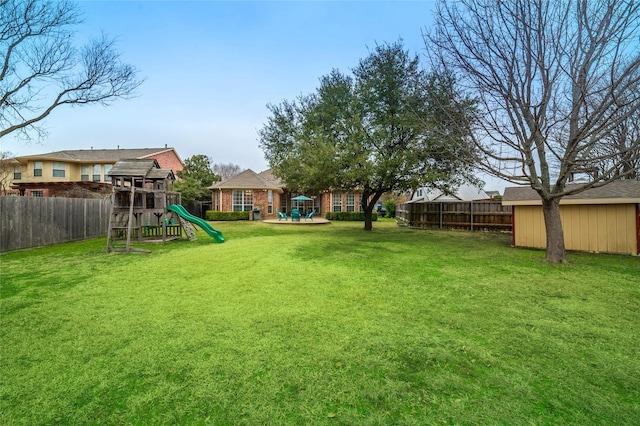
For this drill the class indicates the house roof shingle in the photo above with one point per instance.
(248, 179)
(271, 178)
(99, 155)
(617, 192)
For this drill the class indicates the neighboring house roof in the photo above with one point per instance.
(147, 168)
(100, 155)
(617, 192)
(246, 180)
(465, 192)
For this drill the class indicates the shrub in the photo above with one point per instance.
(390, 206)
(349, 216)
(215, 215)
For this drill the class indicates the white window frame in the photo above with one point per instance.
(37, 168)
(351, 202)
(59, 169)
(242, 200)
(95, 177)
(107, 169)
(336, 201)
(84, 173)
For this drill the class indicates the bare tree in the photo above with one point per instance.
(226, 170)
(620, 155)
(554, 80)
(41, 69)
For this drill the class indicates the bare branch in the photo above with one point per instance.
(41, 69)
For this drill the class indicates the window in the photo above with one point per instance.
(59, 169)
(17, 173)
(351, 202)
(337, 202)
(270, 201)
(96, 172)
(107, 169)
(37, 168)
(84, 173)
(242, 200)
(37, 193)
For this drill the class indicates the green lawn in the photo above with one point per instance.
(288, 325)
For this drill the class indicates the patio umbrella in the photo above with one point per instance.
(302, 199)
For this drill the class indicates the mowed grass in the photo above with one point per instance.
(322, 325)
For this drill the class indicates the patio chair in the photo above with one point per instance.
(309, 215)
(295, 215)
(281, 216)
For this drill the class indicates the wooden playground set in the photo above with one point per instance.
(145, 208)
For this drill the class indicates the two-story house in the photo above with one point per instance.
(63, 172)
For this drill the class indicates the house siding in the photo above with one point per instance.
(224, 199)
(606, 228)
(168, 160)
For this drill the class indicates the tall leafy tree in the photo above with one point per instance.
(195, 179)
(555, 81)
(378, 130)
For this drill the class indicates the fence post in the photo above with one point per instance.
(471, 213)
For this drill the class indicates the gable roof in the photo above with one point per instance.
(617, 192)
(147, 168)
(248, 179)
(97, 155)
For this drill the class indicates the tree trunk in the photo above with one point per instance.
(553, 227)
(368, 217)
(368, 202)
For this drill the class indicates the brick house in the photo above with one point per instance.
(263, 191)
(79, 172)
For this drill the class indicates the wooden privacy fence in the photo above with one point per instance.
(488, 215)
(27, 222)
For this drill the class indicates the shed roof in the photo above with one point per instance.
(248, 179)
(617, 192)
(96, 155)
(160, 174)
(133, 167)
(146, 168)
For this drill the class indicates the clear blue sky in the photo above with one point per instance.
(211, 67)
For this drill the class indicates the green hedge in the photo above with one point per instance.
(350, 216)
(215, 215)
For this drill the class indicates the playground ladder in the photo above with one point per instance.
(188, 229)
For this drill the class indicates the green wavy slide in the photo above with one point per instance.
(183, 213)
